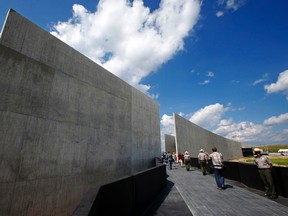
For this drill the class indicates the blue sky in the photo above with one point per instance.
(220, 64)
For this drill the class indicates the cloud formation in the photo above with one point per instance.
(126, 38)
(229, 5)
(167, 127)
(210, 75)
(209, 116)
(219, 13)
(274, 120)
(280, 86)
(263, 79)
(243, 132)
(232, 4)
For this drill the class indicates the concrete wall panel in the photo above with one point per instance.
(144, 115)
(170, 143)
(192, 138)
(67, 124)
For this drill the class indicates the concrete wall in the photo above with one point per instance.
(67, 124)
(192, 138)
(170, 144)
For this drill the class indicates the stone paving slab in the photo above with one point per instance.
(202, 197)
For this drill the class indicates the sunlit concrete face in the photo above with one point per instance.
(67, 124)
(192, 138)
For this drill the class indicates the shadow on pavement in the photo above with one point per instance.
(168, 202)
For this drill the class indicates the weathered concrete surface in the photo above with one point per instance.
(170, 144)
(67, 124)
(192, 138)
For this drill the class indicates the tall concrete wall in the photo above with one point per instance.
(170, 144)
(192, 138)
(67, 124)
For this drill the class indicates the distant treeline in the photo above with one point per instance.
(272, 148)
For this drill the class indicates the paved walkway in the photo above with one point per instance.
(191, 193)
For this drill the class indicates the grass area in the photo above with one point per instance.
(276, 160)
(272, 148)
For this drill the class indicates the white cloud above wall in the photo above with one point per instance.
(209, 116)
(274, 120)
(126, 38)
(167, 127)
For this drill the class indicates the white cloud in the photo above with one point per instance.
(258, 81)
(280, 86)
(235, 81)
(219, 14)
(126, 38)
(232, 4)
(281, 119)
(168, 122)
(209, 116)
(249, 132)
(167, 127)
(210, 74)
(263, 79)
(242, 132)
(205, 82)
(280, 136)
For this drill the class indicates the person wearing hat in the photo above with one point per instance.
(187, 160)
(202, 161)
(264, 165)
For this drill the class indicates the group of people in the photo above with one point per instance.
(263, 163)
(170, 158)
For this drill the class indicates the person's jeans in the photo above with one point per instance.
(170, 163)
(219, 177)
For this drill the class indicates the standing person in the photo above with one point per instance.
(217, 160)
(264, 168)
(169, 158)
(174, 159)
(180, 158)
(187, 160)
(202, 161)
(163, 157)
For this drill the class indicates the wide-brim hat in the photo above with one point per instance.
(201, 150)
(186, 152)
(257, 150)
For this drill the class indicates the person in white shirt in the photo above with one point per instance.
(217, 160)
(187, 160)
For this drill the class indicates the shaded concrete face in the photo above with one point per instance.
(170, 145)
(191, 137)
(67, 124)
